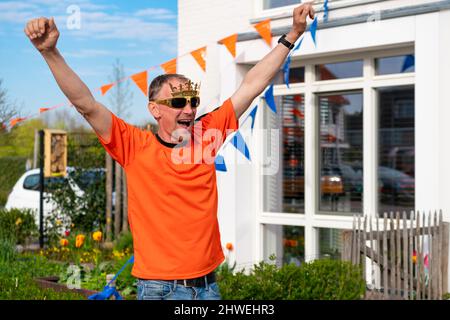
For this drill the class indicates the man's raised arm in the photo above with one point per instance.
(44, 34)
(262, 73)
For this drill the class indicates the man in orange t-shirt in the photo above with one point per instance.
(171, 179)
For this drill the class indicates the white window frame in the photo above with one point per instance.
(313, 219)
(260, 12)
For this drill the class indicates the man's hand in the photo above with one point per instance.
(43, 33)
(299, 21)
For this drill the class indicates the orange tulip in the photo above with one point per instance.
(79, 240)
(97, 236)
(229, 246)
(64, 242)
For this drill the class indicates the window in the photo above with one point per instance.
(330, 243)
(296, 75)
(397, 64)
(31, 182)
(284, 244)
(270, 4)
(289, 198)
(340, 70)
(396, 149)
(323, 161)
(341, 150)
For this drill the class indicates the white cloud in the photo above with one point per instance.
(156, 13)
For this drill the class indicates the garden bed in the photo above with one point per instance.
(52, 283)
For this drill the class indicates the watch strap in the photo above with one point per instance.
(285, 42)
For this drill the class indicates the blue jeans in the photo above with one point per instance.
(170, 290)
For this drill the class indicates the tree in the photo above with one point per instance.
(8, 110)
(120, 100)
(120, 97)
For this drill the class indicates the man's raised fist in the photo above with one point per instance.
(43, 33)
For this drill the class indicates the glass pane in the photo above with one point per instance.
(284, 191)
(396, 149)
(31, 182)
(341, 152)
(270, 4)
(296, 75)
(330, 243)
(284, 244)
(398, 64)
(340, 70)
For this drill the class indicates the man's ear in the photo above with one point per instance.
(154, 110)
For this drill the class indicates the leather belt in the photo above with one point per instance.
(198, 282)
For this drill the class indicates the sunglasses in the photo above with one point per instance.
(180, 102)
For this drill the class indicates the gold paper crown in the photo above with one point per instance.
(188, 89)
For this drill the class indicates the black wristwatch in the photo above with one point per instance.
(283, 41)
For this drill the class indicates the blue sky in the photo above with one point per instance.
(141, 33)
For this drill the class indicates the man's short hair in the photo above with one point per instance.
(158, 82)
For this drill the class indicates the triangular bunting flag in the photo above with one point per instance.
(325, 11)
(286, 70)
(408, 62)
(286, 67)
(230, 43)
(170, 66)
(200, 56)
(239, 143)
(313, 30)
(264, 31)
(104, 89)
(15, 121)
(140, 79)
(220, 163)
(253, 116)
(270, 100)
(44, 109)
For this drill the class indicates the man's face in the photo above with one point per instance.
(171, 119)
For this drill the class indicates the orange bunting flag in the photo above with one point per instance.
(15, 121)
(170, 66)
(106, 88)
(200, 56)
(43, 109)
(230, 43)
(140, 79)
(264, 31)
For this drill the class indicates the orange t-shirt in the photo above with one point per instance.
(172, 207)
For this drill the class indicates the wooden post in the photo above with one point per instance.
(118, 202)
(405, 257)
(379, 248)
(358, 242)
(354, 240)
(398, 256)
(364, 248)
(444, 255)
(125, 202)
(385, 257)
(410, 254)
(347, 245)
(392, 253)
(418, 256)
(109, 183)
(430, 257)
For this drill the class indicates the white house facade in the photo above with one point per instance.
(361, 129)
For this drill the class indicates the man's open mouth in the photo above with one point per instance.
(185, 123)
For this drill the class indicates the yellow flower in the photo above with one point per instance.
(18, 221)
(79, 240)
(58, 222)
(64, 242)
(97, 236)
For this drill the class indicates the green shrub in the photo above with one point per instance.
(125, 241)
(318, 280)
(7, 249)
(11, 168)
(17, 224)
(16, 279)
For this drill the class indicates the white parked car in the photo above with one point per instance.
(25, 193)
